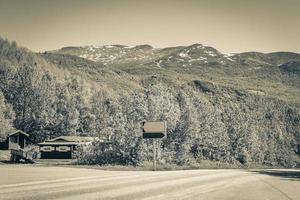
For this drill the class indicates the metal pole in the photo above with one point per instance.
(154, 154)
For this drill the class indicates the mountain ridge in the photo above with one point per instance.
(119, 52)
(245, 112)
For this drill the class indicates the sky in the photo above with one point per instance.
(230, 26)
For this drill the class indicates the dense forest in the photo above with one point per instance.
(211, 113)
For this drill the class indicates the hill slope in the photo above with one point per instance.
(241, 109)
(253, 71)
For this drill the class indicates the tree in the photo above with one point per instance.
(6, 117)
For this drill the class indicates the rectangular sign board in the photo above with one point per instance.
(154, 130)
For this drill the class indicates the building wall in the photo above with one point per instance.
(17, 139)
(54, 152)
(56, 155)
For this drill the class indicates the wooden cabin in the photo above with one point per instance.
(16, 139)
(17, 142)
(63, 147)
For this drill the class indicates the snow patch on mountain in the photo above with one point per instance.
(211, 53)
(183, 55)
(229, 57)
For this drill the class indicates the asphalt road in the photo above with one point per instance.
(41, 183)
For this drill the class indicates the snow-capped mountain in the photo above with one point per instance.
(196, 56)
(193, 55)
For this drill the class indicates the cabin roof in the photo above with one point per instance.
(71, 139)
(67, 140)
(18, 132)
(57, 143)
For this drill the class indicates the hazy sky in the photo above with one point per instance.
(228, 25)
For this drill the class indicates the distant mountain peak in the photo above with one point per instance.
(194, 55)
(196, 45)
(144, 47)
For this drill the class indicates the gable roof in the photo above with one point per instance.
(46, 143)
(67, 140)
(71, 139)
(18, 132)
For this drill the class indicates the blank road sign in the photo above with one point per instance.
(148, 135)
(154, 129)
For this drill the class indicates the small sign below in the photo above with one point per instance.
(154, 130)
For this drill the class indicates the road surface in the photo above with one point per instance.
(41, 183)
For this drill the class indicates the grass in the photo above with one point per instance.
(148, 166)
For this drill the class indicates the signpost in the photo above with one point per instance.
(154, 130)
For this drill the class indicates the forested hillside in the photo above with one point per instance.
(240, 109)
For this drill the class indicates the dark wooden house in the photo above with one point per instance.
(63, 147)
(19, 138)
(17, 143)
(16, 139)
